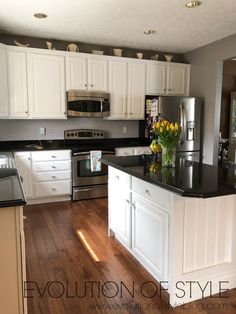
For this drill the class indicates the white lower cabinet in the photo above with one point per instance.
(129, 151)
(120, 206)
(138, 221)
(150, 236)
(45, 174)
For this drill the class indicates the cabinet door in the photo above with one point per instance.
(4, 109)
(76, 72)
(119, 206)
(97, 74)
(156, 79)
(136, 90)
(150, 236)
(176, 76)
(18, 96)
(118, 89)
(23, 161)
(46, 82)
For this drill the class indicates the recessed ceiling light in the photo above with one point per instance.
(193, 4)
(149, 31)
(40, 15)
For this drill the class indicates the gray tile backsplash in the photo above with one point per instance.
(11, 130)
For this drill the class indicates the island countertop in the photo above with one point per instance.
(189, 179)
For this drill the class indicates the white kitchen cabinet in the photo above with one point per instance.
(46, 86)
(45, 174)
(4, 106)
(129, 151)
(23, 162)
(118, 89)
(18, 88)
(127, 81)
(150, 236)
(86, 72)
(136, 90)
(166, 78)
(156, 78)
(120, 205)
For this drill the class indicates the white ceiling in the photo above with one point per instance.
(121, 23)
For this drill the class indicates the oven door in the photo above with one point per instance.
(88, 107)
(82, 174)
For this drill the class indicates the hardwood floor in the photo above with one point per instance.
(73, 267)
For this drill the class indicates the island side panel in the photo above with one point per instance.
(202, 247)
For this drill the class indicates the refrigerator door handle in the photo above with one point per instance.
(182, 124)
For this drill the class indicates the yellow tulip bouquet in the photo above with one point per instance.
(166, 136)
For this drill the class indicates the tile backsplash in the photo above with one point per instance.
(11, 130)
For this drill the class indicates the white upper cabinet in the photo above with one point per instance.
(177, 79)
(118, 89)
(46, 86)
(127, 81)
(86, 72)
(76, 73)
(136, 90)
(4, 107)
(165, 78)
(156, 79)
(17, 72)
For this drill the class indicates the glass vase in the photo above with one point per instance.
(168, 156)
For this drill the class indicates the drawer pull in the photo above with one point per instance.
(54, 167)
(54, 156)
(54, 177)
(147, 192)
(133, 205)
(54, 189)
(117, 177)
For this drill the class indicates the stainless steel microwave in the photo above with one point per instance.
(87, 104)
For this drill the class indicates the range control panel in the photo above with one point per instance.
(83, 134)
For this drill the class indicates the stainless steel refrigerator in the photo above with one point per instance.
(187, 111)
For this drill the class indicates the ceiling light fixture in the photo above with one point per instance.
(40, 15)
(149, 32)
(193, 4)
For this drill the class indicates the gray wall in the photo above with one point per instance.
(29, 129)
(206, 82)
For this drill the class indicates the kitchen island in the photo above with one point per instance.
(180, 223)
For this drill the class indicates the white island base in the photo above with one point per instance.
(187, 244)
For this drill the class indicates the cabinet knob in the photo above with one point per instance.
(53, 156)
(164, 90)
(54, 189)
(85, 85)
(130, 113)
(169, 89)
(91, 85)
(133, 205)
(147, 192)
(54, 167)
(26, 111)
(117, 177)
(28, 158)
(54, 177)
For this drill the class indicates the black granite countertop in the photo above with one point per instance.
(187, 178)
(80, 145)
(11, 193)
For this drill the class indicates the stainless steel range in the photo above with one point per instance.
(87, 184)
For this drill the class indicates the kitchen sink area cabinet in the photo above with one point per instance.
(86, 72)
(18, 88)
(4, 107)
(46, 86)
(166, 78)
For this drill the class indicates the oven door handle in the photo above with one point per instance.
(101, 103)
(88, 153)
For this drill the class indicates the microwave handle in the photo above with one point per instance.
(101, 103)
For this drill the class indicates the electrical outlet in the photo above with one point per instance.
(42, 131)
(125, 129)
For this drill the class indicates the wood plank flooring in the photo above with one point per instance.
(63, 243)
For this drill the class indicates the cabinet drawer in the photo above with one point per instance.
(51, 166)
(151, 192)
(124, 151)
(119, 179)
(53, 188)
(51, 155)
(52, 176)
